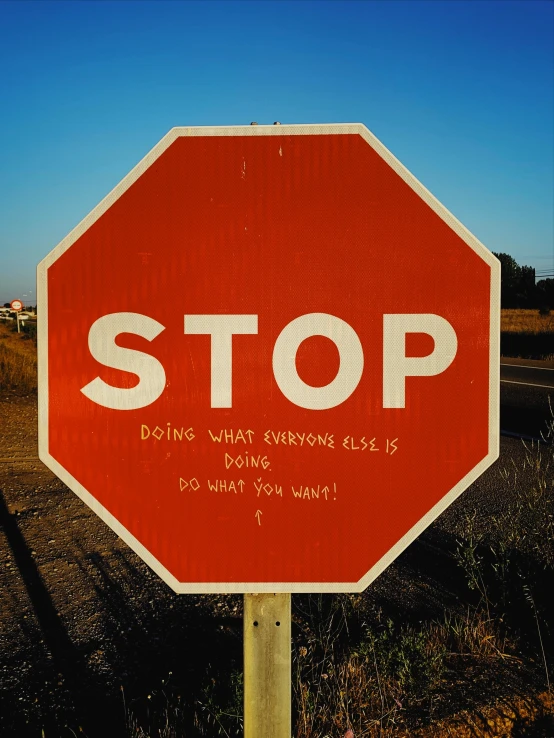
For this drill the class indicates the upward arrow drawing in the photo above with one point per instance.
(258, 516)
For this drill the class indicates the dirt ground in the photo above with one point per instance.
(90, 636)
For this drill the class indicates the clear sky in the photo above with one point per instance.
(462, 92)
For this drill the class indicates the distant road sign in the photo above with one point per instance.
(322, 384)
(16, 305)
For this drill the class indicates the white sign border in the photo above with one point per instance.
(107, 202)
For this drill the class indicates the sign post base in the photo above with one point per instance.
(267, 665)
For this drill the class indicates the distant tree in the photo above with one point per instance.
(518, 288)
(545, 294)
(7, 305)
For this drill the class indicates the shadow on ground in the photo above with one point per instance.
(153, 654)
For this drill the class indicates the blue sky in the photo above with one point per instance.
(462, 92)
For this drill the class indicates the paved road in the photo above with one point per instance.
(525, 389)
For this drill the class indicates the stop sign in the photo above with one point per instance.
(269, 358)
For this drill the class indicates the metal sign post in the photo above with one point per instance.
(267, 665)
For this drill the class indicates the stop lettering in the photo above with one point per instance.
(152, 378)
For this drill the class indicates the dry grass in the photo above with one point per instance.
(18, 362)
(389, 680)
(474, 633)
(368, 687)
(526, 321)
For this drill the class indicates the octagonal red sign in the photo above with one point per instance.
(269, 358)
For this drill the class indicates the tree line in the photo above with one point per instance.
(519, 288)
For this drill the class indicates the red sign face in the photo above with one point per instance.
(16, 305)
(269, 359)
